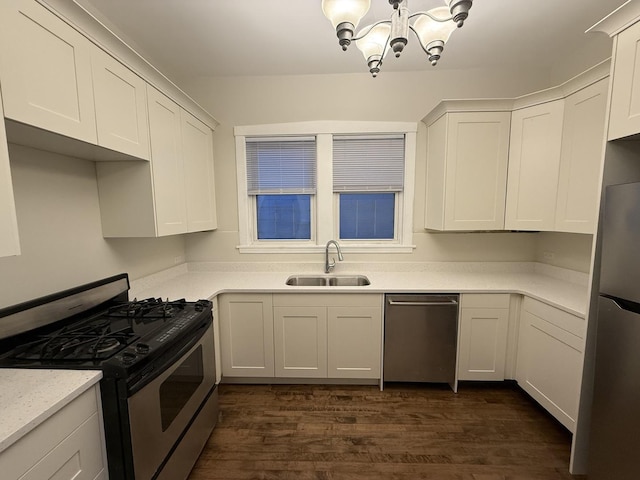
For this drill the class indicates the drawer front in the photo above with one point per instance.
(485, 300)
(560, 319)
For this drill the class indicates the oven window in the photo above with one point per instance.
(176, 390)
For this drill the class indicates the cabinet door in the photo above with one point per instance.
(482, 346)
(300, 341)
(45, 71)
(167, 164)
(624, 117)
(9, 241)
(354, 342)
(197, 148)
(246, 331)
(534, 159)
(121, 106)
(581, 158)
(476, 170)
(550, 364)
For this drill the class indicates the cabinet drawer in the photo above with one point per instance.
(485, 300)
(560, 319)
(68, 441)
(327, 300)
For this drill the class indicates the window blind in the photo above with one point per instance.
(281, 165)
(368, 163)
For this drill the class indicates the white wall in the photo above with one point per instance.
(60, 233)
(390, 97)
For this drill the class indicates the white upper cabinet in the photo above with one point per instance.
(168, 164)
(197, 150)
(624, 118)
(582, 148)
(534, 160)
(121, 106)
(45, 71)
(467, 154)
(9, 241)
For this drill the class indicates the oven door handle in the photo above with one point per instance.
(155, 368)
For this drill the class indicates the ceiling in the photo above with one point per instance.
(292, 37)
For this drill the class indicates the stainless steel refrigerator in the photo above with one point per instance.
(614, 451)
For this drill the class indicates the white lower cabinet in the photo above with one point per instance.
(246, 334)
(482, 342)
(67, 446)
(550, 356)
(301, 335)
(300, 341)
(328, 335)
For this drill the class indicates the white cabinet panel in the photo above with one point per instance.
(300, 341)
(67, 446)
(581, 158)
(246, 330)
(9, 240)
(354, 342)
(45, 71)
(550, 357)
(467, 155)
(482, 345)
(534, 159)
(121, 106)
(167, 164)
(624, 118)
(197, 148)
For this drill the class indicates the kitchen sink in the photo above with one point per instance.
(328, 281)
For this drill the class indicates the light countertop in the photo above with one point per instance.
(30, 396)
(564, 289)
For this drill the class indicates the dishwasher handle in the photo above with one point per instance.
(425, 304)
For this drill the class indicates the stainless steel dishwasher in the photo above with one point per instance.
(420, 338)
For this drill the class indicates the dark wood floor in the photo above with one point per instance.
(484, 432)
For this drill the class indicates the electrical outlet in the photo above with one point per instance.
(548, 255)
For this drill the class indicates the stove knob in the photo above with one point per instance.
(128, 357)
(142, 348)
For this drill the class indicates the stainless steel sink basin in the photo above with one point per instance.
(328, 281)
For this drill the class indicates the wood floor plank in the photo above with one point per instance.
(417, 432)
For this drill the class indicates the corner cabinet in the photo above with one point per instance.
(550, 357)
(45, 71)
(534, 162)
(9, 240)
(467, 156)
(174, 192)
(121, 106)
(482, 342)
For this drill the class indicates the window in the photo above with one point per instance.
(302, 184)
(364, 169)
(281, 178)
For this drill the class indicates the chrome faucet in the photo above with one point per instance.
(328, 266)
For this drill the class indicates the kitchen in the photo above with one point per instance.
(58, 206)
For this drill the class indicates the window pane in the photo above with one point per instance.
(283, 217)
(367, 215)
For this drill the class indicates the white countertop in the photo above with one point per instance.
(29, 396)
(564, 289)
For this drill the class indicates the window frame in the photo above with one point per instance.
(324, 204)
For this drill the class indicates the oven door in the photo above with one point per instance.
(162, 410)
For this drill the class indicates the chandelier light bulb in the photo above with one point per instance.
(345, 15)
(374, 45)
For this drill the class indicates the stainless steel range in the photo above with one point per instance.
(159, 396)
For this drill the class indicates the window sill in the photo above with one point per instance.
(345, 248)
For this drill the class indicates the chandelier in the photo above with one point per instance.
(432, 28)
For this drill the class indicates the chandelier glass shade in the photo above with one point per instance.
(432, 28)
